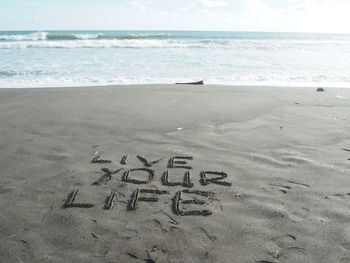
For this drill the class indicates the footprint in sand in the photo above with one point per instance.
(211, 237)
(155, 254)
(273, 250)
(285, 187)
(281, 188)
(299, 215)
(4, 190)
(278, 245)
(282, 246)
(346, 245)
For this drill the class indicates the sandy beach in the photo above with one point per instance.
(175, 173)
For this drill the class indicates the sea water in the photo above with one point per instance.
(78, 58)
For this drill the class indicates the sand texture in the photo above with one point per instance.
(175, 173)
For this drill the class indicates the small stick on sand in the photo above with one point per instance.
(133, 200)
(175, 163)
(176, 202)
(187, 180)
(124, 160)
(197, 213)
(103, 179)
(126, 174)
(156, 161)
(70, 201)
(152, 191)
(71, 197)
(222, 175)
(165, 180)
(98, 158)
(143, 160)
(106, 177)
(198, 192)
(293, 182)
(110, 200)
(149, 199)
(146, 162)
(194, 201)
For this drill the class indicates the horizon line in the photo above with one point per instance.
(176, 30)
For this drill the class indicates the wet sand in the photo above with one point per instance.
(175, 173)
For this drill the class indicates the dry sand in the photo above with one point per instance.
(285, 151)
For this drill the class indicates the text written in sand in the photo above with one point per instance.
(186, 201)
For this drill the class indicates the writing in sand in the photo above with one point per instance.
(185, 202)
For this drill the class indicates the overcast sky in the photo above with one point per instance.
(236, 15)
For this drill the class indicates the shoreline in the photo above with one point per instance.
(173, 84)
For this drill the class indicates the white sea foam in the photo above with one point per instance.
(127, 80)
(21, 37)
(86, 36)
(86, 42)
(75, 36)
(78, 58)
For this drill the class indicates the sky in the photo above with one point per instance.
(329, 16)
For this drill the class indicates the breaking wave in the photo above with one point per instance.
(78, 58)
(209, 40)
(166, 43)
(37, 36)
(22, 73)
(22, 37)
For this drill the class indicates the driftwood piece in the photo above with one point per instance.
(201, 82)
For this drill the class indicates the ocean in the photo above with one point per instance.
(79, 58)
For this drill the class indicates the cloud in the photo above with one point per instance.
(306, 15)
(328, 16)
(253, 15)
(136, 4)
(211, 3)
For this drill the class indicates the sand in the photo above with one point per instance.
(72, 188)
